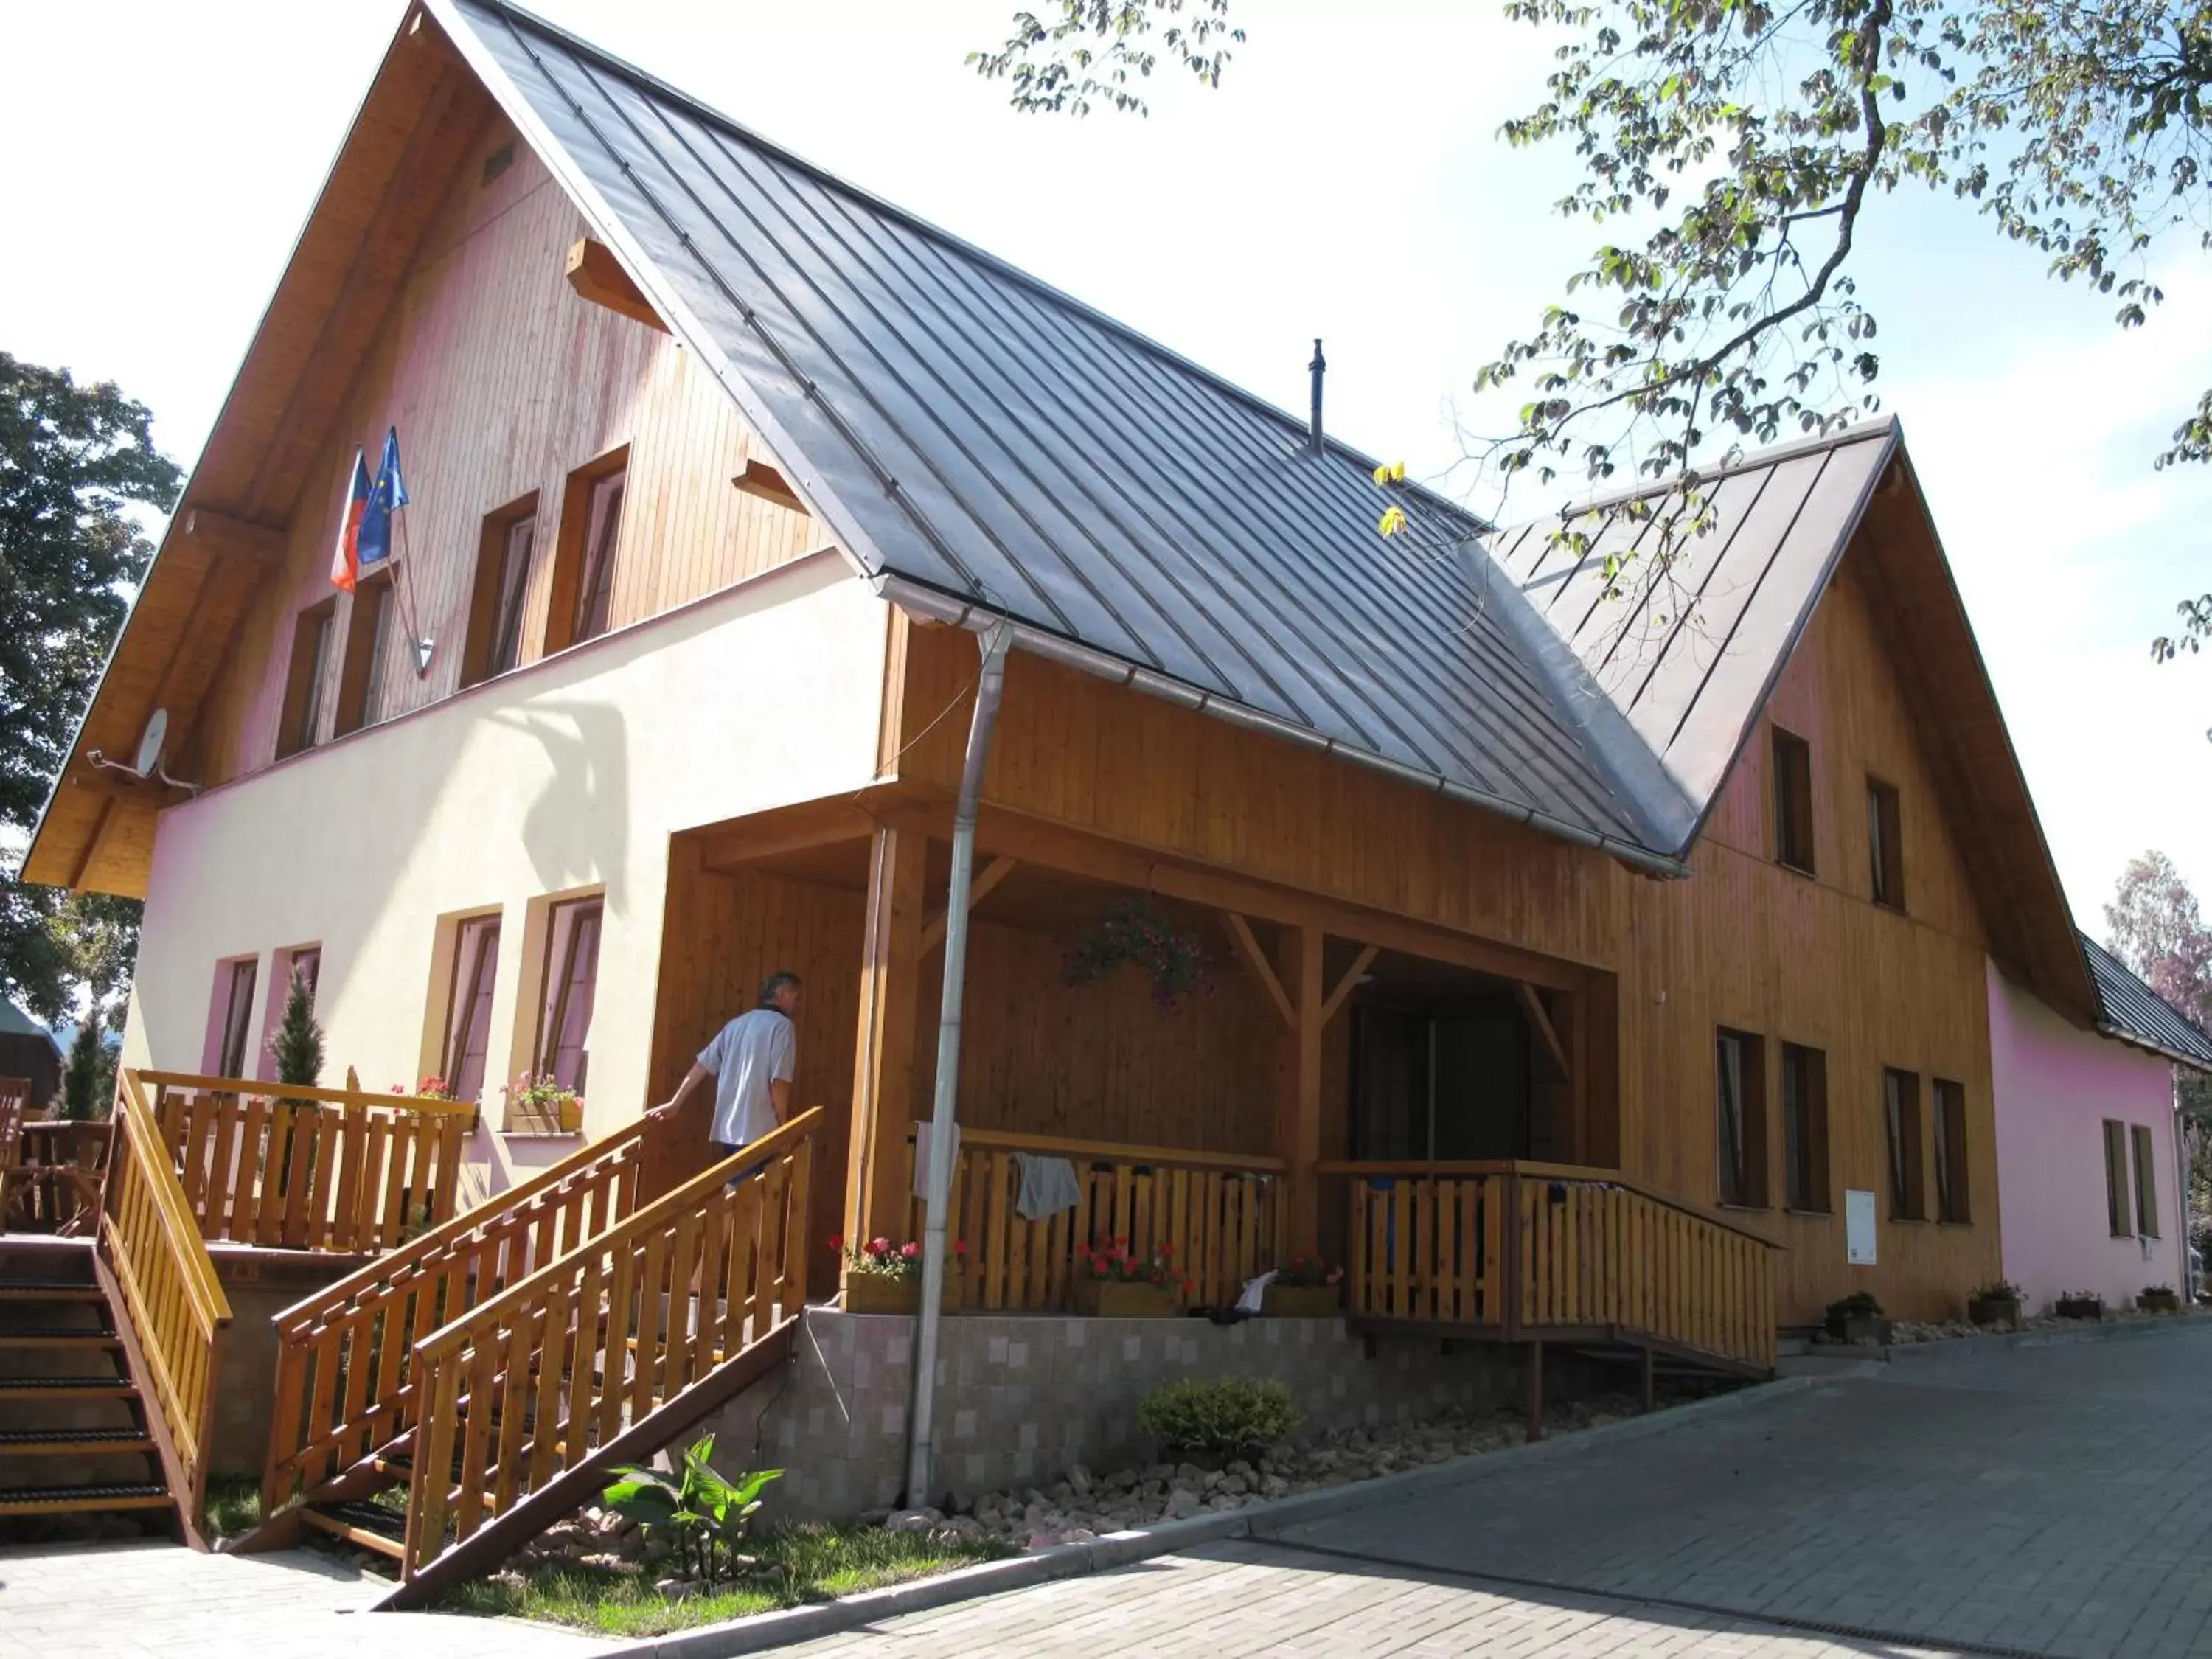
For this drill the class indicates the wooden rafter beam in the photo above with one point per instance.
(1532, 1006)
(223, 536)
(1336, 999)
(1240, 934)
(932, 931)
(598, 276)
(768, 483)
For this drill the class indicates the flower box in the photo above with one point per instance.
(2081, 1307)
(1118, 1298)
(1994, 1310)
(890, 1293)
(1300, 1301)
(2159, 1302)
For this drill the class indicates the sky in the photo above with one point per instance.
(1347, 182)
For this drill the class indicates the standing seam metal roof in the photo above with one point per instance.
(970, 430)
(2132, 1009)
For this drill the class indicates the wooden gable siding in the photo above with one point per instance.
(1740, 941)
(502, 382)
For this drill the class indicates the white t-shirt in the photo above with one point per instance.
(753, 1050)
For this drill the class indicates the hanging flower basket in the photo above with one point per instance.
(1138, 932)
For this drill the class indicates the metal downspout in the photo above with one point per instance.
(922, 1421)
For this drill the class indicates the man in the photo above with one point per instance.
(750, 1061)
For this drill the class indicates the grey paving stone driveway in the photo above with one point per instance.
(2049, 1500)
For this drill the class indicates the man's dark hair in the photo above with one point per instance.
(775, 982)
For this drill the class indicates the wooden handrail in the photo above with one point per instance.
(1460, 1168)
(170, 1303)
(1109, 1151)
(264, 1089)
(527, 1393)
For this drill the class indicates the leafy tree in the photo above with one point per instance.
(1753, 144)
(73, 461)
(2157, 928)
(81, 1097)
(296, 1045)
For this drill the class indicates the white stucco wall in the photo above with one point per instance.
(570, 774)
(2055, 1086)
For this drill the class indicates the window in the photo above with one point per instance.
(1950, 1187)
(361, 677)
(1900, 1101)
(2146, 1181)
(306, 964)
(1740, 1108)
(1804, 1128)
(468, 1016)
(237, 1028)
(1885, 845)
(571, 963)
(1793, 801)
(2119, 1214)
(596, 589)
(494, 645)
(581, 600)
(301, 718)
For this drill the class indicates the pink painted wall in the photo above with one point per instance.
(2055, 1085)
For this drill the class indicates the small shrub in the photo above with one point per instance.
(1859, 1304)
(1997, 1290)
(1218, 1418)
(2163, 1292)
(704, 1515)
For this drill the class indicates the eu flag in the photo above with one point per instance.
(386, 496)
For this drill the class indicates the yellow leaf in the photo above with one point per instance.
(1398, 473)
(1392, 521)
(1381, 474)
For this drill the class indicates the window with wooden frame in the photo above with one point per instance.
(562, 1048)
(1793, 801)
(468, 1006)
(1901, 1110)
(504, 554)
(582, 599)
(2146, 1173)
(369, 627)
(1952, 1203)
(1740, 1116)
(1805, 1128)
(1885, 845)
(299, 721)
(304, 963)
(2119, 1209)
(236, 988)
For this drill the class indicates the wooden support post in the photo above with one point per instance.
(1535, 1404)
(1649, 1382)
(878, 1184)
(1300, 954)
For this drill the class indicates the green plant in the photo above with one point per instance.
(879, 1258)
(2157, 1289)
(1218, 1418)
(1859, 1304)
(297, 1045)
(1308, 1272)
(540, 1097)
(1997, 1290)
(1138, 931)
(1117, 1264)
(704, 1516)
(80, 1099)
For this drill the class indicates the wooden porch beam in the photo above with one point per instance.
(877, 1187)
(765, 481)
(1345, 986)
(1532, 1006)
(221, 536)
(1240, 934)
(598, 276)
(1301, 950)
(790, 830)
(932, 931)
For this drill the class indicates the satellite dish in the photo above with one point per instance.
(149, 746)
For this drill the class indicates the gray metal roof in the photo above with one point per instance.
(976, 438)
(2133, 1009)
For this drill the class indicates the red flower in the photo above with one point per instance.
(1159, 1277)
(909, 1249)
(836, 1241)
(878, 1246)
(1190, 1287)
(959, 1247)
(1123, 1245)
(1297, 1262)
(1166, 1250)
(1083, 1252)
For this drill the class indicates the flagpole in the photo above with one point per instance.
(414, 639)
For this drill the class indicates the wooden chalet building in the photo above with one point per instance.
(1571, 960)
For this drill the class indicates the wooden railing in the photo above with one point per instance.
(310, 1168)
(55, 1183)
(1222, 1215)
(535, 1380)
(1538, 1251)
(174, 1311)
(345, 1370)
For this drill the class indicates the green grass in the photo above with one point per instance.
(232, 1505)
(819, 1563)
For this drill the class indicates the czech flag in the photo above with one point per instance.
(365, 531)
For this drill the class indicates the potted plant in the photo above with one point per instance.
(1998, 1302)
(2158, 1299)
(881, 1277)
(1308, 1288)
(1113, 1284)
(537, 1102)
(1858, 1318)
(2081, 1304)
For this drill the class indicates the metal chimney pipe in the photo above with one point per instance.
(1319, 367)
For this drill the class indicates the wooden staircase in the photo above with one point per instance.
(74, 1435)
(496, 1369)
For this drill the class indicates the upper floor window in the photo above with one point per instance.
(571, 966)
(1885, 845)
(504, 554)
(596, 586)
(1804, 1127)
(299, 721)
(581, 603)
(1793, 801)
(1900, 1106)
(1952, 1202)
(368, 634)
(468, 1006)
(1739, 1111)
